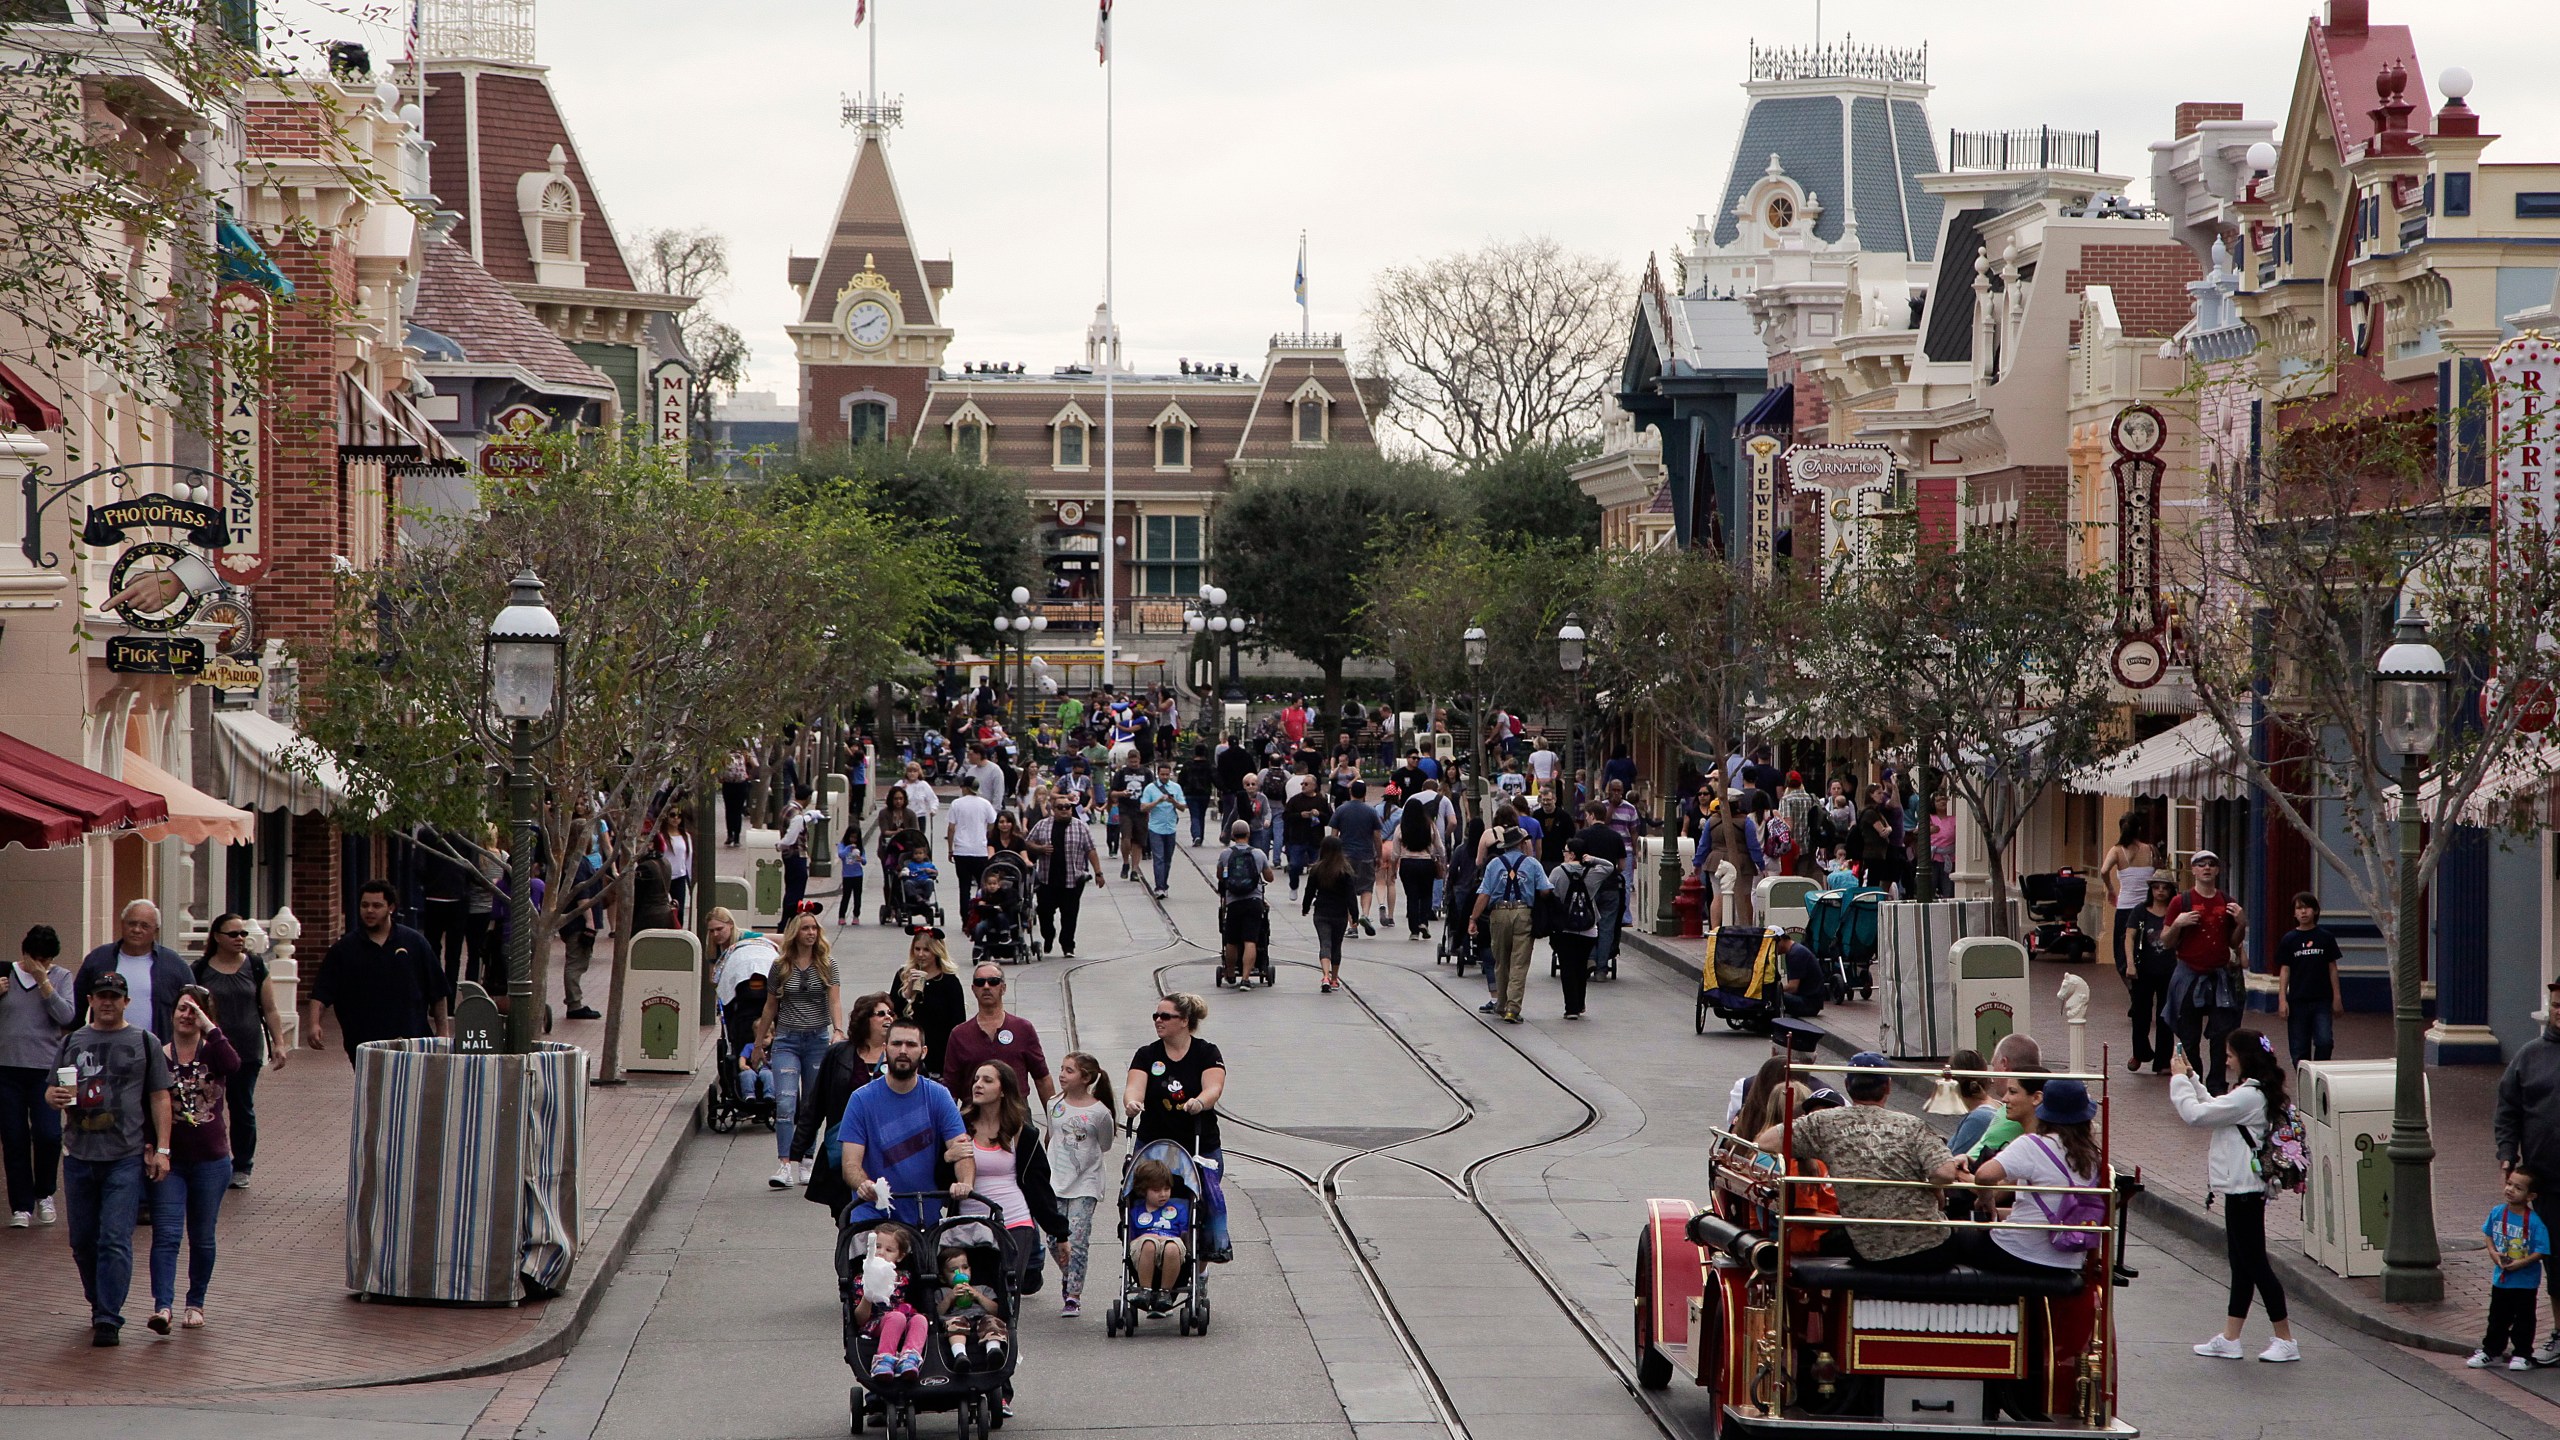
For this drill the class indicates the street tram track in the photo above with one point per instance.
(1325, 1185)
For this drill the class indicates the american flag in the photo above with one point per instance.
(1102, 36)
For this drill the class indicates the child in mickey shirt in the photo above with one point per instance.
(2518, 1244)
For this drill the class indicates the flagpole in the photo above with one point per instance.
(1304, 327)
(1110, 335)
(874, 96)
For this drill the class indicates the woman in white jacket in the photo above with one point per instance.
(2239, 1119)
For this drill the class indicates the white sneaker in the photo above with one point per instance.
(2221, 1348)
(2479, 1360)
(780, 1179)
(44, 1211)
(2519, 1363)
(19, 1219)
(802, 1170)
(2281, 1351)
(2549, 1354)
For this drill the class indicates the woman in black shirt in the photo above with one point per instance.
(1172, 1091)
(1329, 896)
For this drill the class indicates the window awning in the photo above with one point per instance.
(47, 802)
(194, 816)
(1775, 414)
(2192, 760)
(244, 261)
(265, 764)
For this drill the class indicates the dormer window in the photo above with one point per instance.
(1781, 212)
(1310, 414)
(1173, 439)
(554, 219)
(1071, 439)
(969, 442)
(1071, 447)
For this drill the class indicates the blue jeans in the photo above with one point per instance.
(101, 1200)
(1199, 823)
(1300, 857)
(189, 1197)
(794, 1061)
(1160, 844)
(2311, 1030)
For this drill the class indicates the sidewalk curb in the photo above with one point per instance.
(2305, 1283)
(565, 1315)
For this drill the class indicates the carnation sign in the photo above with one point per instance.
(1854, 482)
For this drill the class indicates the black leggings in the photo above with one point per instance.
(1329, 930)
(2244, 1240)
(1573, 963)
(1418, 873)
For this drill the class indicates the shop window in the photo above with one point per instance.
(867, 423)
(1170, 555)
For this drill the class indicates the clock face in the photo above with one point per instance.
(868, 323)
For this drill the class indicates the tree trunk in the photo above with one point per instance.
(1999, 886)
(609, 1065)
(1332, 707)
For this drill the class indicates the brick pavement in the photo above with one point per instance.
(2147, 1133)
(278, 1314)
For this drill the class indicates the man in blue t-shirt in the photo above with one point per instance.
(894, 1131)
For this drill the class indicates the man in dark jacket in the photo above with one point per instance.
(154, 973)
(2527, 1130)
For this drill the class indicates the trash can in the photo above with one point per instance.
(768, 902)
(1915, 974)
(2346, 1114)
(1991, 989)
(462, 1173)
(1781, 900)
(730, 893)
(659, 1000)
(835, 795)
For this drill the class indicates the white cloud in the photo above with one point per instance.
(1388, 129)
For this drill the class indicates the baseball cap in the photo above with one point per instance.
(1825, 1098)
(1869, 1060)
(110, 982)
(2204, 855)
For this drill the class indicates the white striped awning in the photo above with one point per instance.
(2192, 760)
(265, 764)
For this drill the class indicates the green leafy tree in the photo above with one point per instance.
(1296, 540)
(984, 511)
(1423, 597)
(1989, 660)
(1688, 645)
(1527, 496)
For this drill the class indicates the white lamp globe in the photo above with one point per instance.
(2455, 82)
(1021, 595)
(2262, 157)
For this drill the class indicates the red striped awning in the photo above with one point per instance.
(47, 801)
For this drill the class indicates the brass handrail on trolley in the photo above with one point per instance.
(2090, 1385)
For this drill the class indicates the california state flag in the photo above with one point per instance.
(1102, 35)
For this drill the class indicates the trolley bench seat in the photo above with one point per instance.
(1963, 1283)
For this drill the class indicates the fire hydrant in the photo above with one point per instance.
(1691, 906)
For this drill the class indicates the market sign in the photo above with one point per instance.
(243, 551)
(1854, 482)
(514, 447)
(671, 403)
(1761, 521)
(155, 655)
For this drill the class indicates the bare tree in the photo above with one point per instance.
(695, 264)
(1496, 349)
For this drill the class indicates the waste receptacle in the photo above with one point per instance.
(833, 793)
(462, 1181)
(768, 903)
(2346, 1113)
(730, 892)
(1780, 900)
(1915, 974)
(659, 997)
(1991, 989)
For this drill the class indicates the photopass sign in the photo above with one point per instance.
(155, 655)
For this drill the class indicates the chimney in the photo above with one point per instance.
(2195, 112)
(2349, 17)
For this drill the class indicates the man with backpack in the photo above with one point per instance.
(1244, 920)
(1513, 880)
(1585, 890)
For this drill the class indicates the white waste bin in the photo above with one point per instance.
(659, 998)
(2346, 1116)
(834, 791)
(1991, 990)
(1780, 900)
(1915, 974)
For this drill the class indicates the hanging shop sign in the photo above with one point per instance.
(1762, 526)
(106, 524)
(514, 447)
(226, 674)
(242, 550)
(671, 403)
(155, 655)
(2526, 451)
(2137, 436)
(1854, 482)
(156, 586)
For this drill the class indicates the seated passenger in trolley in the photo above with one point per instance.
(1866, 1141)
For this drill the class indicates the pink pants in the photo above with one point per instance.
(901, 1331)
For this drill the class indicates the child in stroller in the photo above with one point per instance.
(972, 1315)
(897, 1330)
(743, 1090)
(913, 882)
(1158, 1225)
(995, 919)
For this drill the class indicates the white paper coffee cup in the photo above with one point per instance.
(68, 1077)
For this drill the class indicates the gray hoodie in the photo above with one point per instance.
(2527, 1124)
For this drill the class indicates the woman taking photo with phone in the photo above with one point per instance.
(2239, 1118)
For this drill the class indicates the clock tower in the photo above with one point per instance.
(870, 333)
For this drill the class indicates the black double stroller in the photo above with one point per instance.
(971, 1386)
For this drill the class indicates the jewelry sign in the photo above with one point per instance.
(242, 549)
(1854, 482)
(2137, 436)
(1763, 517)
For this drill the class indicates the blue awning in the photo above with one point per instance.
(1774, 415)
(244, 261)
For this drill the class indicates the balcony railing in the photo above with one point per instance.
(1306, 340)
(2042, 148)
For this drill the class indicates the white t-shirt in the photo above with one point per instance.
(1080, 1136)
(970, 820)
(2029, 1160)
(1542, 764)
(920, 798)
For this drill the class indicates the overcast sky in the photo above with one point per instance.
(1387, 129)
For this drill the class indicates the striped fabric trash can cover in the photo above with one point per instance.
(462, 1171)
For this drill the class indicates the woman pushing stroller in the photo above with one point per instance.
(1172, 1091)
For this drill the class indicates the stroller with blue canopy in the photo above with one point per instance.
(1840, 930)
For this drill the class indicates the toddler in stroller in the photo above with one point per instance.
(972, 1315)
(1160, 1222)
(912, 884)
(996, 918)
(1158, 1226)
(897, 1330)
(743, 1090)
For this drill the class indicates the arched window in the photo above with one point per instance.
(969, 442)
(867, 422)
(1311, 420)
(559, 219)
(1071, 445)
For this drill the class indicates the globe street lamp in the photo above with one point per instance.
(1229, 628)
(1569, 658)
(520, 662)
(1473, 641)
(2409, 695)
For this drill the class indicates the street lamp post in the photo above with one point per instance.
(1569, 657)
(1020, 625)
(1213, 616)
(1474, 642)
(520, 674)
(2409, 692)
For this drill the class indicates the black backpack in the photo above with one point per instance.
(1579, 912)
(1239, 872)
